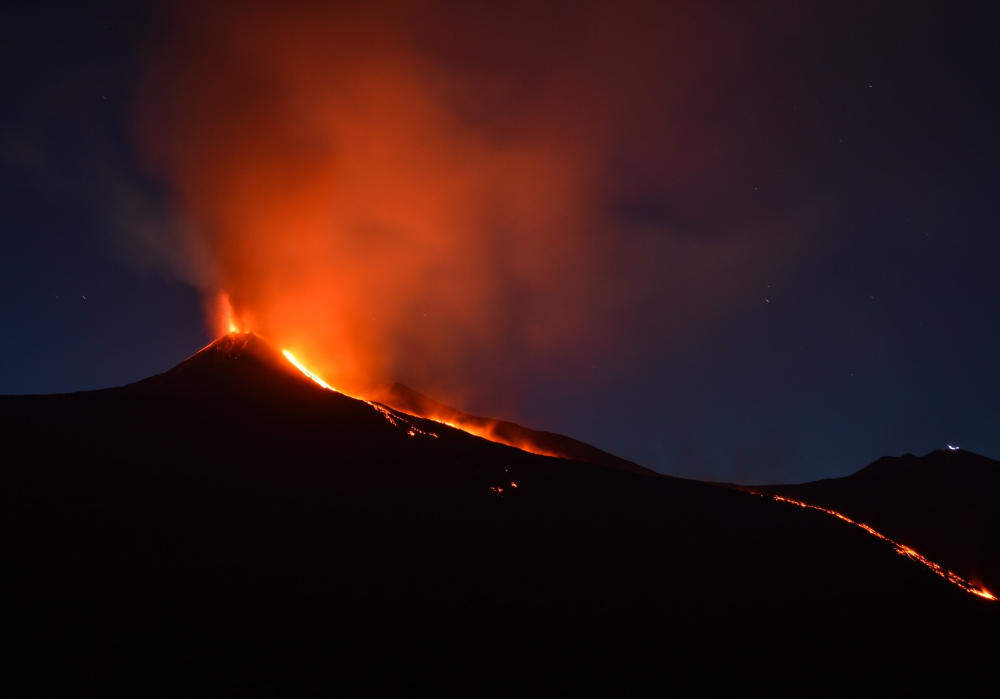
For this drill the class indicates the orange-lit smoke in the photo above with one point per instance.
(411, 190)
(345, 205)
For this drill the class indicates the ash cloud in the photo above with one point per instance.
(456, 195)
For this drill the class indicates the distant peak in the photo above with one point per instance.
(900, 466)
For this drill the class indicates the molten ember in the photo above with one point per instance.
(901, 549)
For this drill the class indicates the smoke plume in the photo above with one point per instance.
(433, 191)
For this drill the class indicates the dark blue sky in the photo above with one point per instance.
(866, 135)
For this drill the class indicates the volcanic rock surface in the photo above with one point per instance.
(229, 527)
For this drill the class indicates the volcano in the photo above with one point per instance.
(232, 527)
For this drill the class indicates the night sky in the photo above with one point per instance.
(800, 205)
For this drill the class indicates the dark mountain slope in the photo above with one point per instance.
(229, 527)
(943, 504)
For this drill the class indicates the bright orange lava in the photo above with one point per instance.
(901, 549)
(298, 365)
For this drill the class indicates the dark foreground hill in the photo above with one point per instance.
(943, 503)
(229, 528)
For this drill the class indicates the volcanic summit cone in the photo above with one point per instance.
(236, 362)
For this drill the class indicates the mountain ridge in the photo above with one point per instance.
(167, 531)
(942, 503)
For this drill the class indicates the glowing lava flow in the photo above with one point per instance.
(901, 549)
(394, 418)
(298, 365)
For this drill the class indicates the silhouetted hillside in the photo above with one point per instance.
(228, 527)
(943, 503)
